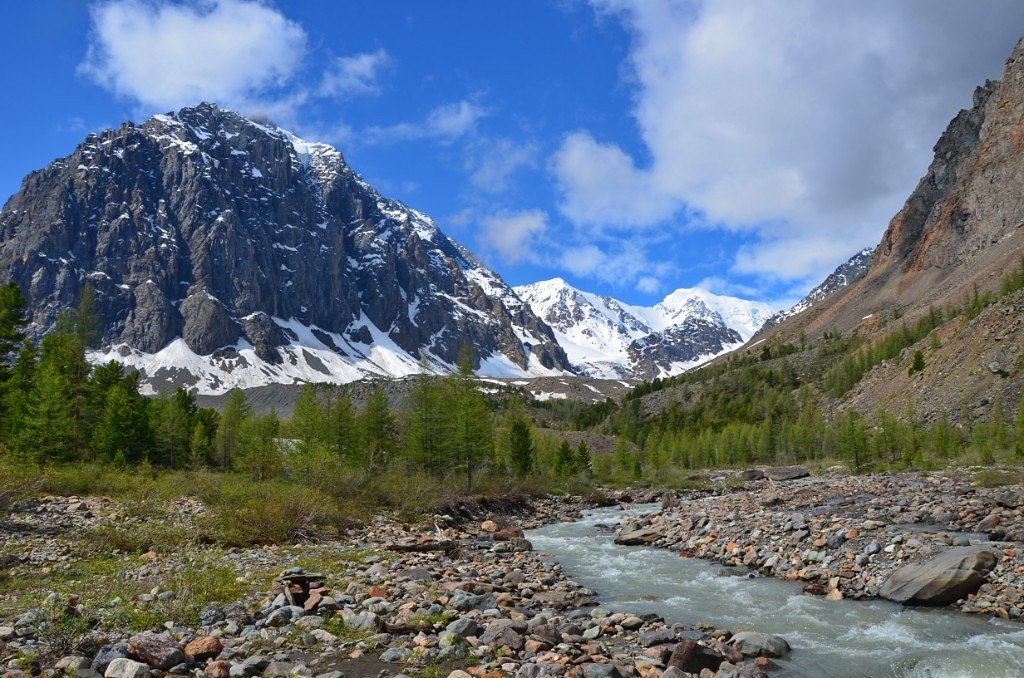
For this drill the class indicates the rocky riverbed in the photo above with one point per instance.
(454, 595)
(947, 541)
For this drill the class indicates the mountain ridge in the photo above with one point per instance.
(251, 255)
(604, 337)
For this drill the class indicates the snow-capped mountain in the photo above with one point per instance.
(604, 337)
(845, 274)
(227, 252)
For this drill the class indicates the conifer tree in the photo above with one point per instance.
(520, 446)
(426, 426)
(343, 434)
(228, 441)
(379, 430)
(472, 438)
(564, 460)
(123, 432)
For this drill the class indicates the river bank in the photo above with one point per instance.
(451, 595)
(845, 536)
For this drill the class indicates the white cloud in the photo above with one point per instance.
(493, 162)
(601, 185)
(445, 123)
(355, 75)
(514, 235)
(805, 122)
(164, 56)
(621, 264)
(649, 284)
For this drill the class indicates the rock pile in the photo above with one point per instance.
(862, 536)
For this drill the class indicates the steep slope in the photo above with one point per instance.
(845, 274)
(960, 229)
(227, 252)
(604, 337)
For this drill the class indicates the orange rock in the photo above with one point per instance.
(204, 648)
(218, 669)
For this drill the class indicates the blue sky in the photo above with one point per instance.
(629, 146)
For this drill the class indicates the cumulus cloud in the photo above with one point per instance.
(445, 124)
(807, 123)
(355, 75)
(163, 55)
(514, 235)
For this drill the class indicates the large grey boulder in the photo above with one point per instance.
(942, 580)
(642, 537)
(755, 644)
(786, 473)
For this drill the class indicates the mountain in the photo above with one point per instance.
(228, 252)
(946, 253)
(604, 337)
(847, 273)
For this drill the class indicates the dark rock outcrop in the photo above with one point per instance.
(232, 234)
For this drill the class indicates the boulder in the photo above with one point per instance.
(159, 651)
(690, 657)
(123, 667)
(942, 580)
(641, 537)
(752, 474)
(206, 647)
(755, 644)
(786, 473)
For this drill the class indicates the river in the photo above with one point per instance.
(829, 638)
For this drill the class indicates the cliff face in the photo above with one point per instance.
(246, 243)
(960, 229)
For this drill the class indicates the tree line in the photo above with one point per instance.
(57, 407)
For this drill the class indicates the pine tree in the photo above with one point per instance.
(343, 435)
(564, 460)
(379, 430)
(261, 454)
(426, 426)
(172, 423)
(581, 461)
(45, 434)
(228, 441)
(472, 438)
(307, 427)
(12, 325)
(520, 446)
(123, 433)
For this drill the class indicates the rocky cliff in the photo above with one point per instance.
(229, 252)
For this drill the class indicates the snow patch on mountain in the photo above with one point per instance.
(606, 338)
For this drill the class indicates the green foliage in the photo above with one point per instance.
(917, 365)
(520, 446)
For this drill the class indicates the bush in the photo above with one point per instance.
(273, 512)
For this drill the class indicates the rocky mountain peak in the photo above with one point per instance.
(227, 251)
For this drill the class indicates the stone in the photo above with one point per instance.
(502, 635)
(73, 663)
(488, 526)
(278, 670)
(779, 473)
(941, 580)
(123, 667)
(751, 474)
(206, 647)
(632, 623)
(601, 671)
(641, 537)
(464, 627)
(657, 637)
(107, 654)
(159, 651)
(756, 644)
(218, 669)
(690, 657)
(988, 523)
(507, 534)
(395, 655)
